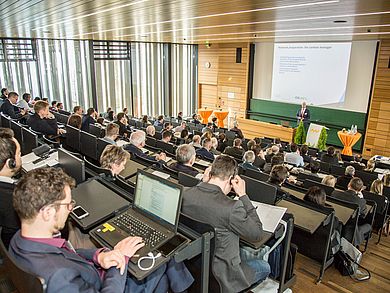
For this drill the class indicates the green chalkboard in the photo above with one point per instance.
(334, 119)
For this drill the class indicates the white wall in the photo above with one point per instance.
(358, 82)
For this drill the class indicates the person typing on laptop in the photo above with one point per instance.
(43, 201)
(207, 202)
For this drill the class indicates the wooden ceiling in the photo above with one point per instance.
(190, 21)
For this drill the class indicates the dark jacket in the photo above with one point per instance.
(205, 154)
(184, 169)
(222, 146)
(351, 196)
(44, 126)
(343, 181)
(259, 162)
(234, 151)
(87, 120)
(9, 220)
(333, 160)
(246, 165)
(122, 128)
(232, 219)
(238, 132)
(8, 109)
(136, 151)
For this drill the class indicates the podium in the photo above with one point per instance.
(313, 134)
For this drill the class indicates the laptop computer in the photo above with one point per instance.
(154, 215)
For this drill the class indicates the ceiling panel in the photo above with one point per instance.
(186, 21)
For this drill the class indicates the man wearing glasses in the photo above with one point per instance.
(43, 201)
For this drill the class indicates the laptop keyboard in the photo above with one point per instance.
(135, 227)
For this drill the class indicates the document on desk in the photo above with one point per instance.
(161, 174)
(121, 143)
(270, 216)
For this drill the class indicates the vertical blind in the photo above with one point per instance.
(147, 78)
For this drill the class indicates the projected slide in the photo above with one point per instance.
(314, 72)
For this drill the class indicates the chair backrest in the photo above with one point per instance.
(96, 131)
(17, 129)
(30, 141)
(22, 280)
(337, 170)
(187, 180)
(73, 138)
(62, 118)
(304, 176)
(195, 264)
(5, 121)
(312, 152)
(97, 169)
(367, 177)
(230, 134)
(173, 173)
(158, 135)
(166, 147)
(325, 167)
(150, 141)
(256, 175)
(260, 191)
(101, 145)
(88, 145)
(309, 183)
(346, 158)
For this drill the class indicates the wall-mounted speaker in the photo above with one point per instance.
(238, 55)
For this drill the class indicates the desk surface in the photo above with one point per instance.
(28, 165)
(304, 218)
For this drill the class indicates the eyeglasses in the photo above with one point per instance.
(69, 205)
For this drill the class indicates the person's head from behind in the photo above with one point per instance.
(357, 158)
(330, 151)
(356, 184)
(112, 131)
(370, 165)
(206, 143)
(386, 179)
(223, 170)
(184, 134)
(274, 149)
(4, 92)
(237, 143)
(13, 97)
(214, 143)
(304, 150)
(121, 117)
(110, 115)
(26, 97)
(78, 110)
(250, 144)
(166, 136)
(214, 120)
(315, 167)
(350, 171)
(293, 147)
(278, 174)
(137, 138)
(144, 119)
(222, 137)
(42, 199)
(377, 187)
(10, 153)
(316, 195)
(41, 108)
(277, 141)
(180, 114)
(160, 118)
(277, 159)
(196, 139)
(167, 125)
(183, 124)
(125, 110)
(91, 112)
(75, 120)
(114, 158)
(100, 120)
(207, 134)
(249, 157)
(257, 149)
(150, 130)
(329, 180)
(185, 154)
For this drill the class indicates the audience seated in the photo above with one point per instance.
(354, 195)
(248, 160)
(237, 130)
(145, 120)
(250, 145)
(329, 180)
(114, 158)
(150, 130)
(105, 114)
(208, 128)
(357, 162)
(277, 177)
(294, 158)
(196, 141)
(179, 116)
(112, 132)
(78, 110)
(43, 121)
(277, 159)
(167, 127)
(75, 120)
(111, 116)
(9, 107)
(304, 153)
(259, 156)
(184, 136)
(214, 121)
(60, 106)
(314, 169)
(10, 165)
(343, 181)
(234, 269)
(53, 106)
(123, 124)
(330, 156)
(4, 94)
(181, 127)
(270, 152)
(316, 195)
(377, 187)
(166, 136)
(185, 157)
(159, 121)
(236, 150)
(24, 102)
(370, 166)
(195, 119)
(204, 151)
(88, 119)
(43, 201)
(214, 146)
(137, 142)
(222, 142)
(386, 180)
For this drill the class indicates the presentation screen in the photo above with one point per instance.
(313, 72)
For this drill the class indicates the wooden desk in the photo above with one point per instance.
(253, 128)
(304, 218)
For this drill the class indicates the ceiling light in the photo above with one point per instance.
(265, 21)
(215, 15)
(90, 14)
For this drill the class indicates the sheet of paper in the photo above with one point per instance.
(269, 215)
(29, 158)
(121, 143)
(161, 174)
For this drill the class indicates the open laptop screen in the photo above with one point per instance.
(158, 197)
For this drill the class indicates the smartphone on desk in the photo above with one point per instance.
(79, 212)
(172, 245)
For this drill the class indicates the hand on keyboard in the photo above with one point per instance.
(129, 245)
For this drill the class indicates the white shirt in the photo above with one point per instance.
(7, 179)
